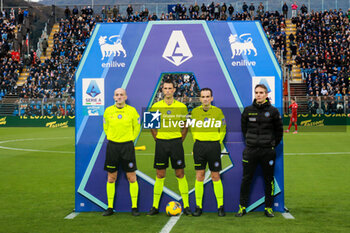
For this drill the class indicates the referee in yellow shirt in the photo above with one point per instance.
(122, 126)
(169, 140)
(206, 149)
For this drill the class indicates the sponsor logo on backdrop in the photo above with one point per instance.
(177, 50)
(46, 117)
(112, 47)
(93, 89)
(269, 82)
(54, 124)
(242, 45)
(153, 120)
(3, 121)
(93, 96)
(312, 123)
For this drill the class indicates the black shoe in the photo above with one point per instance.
(135, 212)
(108, 212)
(187, 211)
(153, 211)
(269, 212)
(197, 212)
(221, 211)
(241, 211)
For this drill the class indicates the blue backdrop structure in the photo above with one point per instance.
(229, 57)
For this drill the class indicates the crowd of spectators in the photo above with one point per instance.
(10, 62)
(322, 41)
(54, 78)
(328, 105)
(187, 89)
(38, 107)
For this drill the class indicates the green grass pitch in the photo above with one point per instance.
(37, 188)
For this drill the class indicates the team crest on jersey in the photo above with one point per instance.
(205, 119)
(271, 162)
(168, 112)
(267, 114)
(120, 116)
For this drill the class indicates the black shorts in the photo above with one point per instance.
(207, 152)
(172, 148)
(120, 154)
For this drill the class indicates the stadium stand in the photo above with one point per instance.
(10, 63)
(323, 40)
(322, 55)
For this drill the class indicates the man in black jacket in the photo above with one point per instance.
(262, 129)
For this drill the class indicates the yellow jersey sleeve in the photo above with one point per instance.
(136, 124)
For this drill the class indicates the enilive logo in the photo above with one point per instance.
(242, 46)
(108, 50)
(177, 50)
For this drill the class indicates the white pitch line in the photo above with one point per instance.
(170, 224)
(31, 139)
(287, 215)
(33, 150)
(72, 215)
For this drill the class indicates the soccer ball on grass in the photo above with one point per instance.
(173, 208)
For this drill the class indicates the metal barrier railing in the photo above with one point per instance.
(45, 107)
(66, 106)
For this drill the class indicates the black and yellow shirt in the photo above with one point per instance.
(121, 124)
(208, 125)
(172, 118)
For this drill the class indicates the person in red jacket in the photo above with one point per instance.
(294, 116)
(294, 9)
